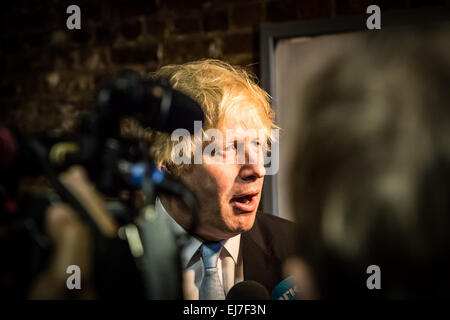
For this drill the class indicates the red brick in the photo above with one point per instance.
(36, 40)
(238, 43)
(392, 4)
(179, 5)
(215, 20)
(128, 9)
(131, 29)
(187, 25)
(246, 15)
(189, 49)
(156, 27)
(105, 34)
(134, 54)
(315, 9)
(349, 7)
(427, 3)
(277, 11)
(81, 36)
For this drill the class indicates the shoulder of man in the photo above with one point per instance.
(276, 234)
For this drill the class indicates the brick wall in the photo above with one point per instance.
(50, 72)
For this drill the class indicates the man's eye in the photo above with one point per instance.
(229, 147)
(256, 144)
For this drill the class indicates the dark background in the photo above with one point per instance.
(49, 73)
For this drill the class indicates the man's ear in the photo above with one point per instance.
(167, 168)
(175, 170)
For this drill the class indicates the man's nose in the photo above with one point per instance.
(253, 168)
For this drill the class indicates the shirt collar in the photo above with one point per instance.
(193, 244)
(232, 246)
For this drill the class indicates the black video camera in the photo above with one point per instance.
(113, 163)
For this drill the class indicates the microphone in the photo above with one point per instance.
(286, 290)
(154, 104)
(248, 290)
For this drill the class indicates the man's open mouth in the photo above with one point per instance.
(243, 199)
(245, 202)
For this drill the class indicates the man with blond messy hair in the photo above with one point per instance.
(232, 242)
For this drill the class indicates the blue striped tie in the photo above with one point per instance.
(211, 288)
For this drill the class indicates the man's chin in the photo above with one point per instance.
(236, 224)
(244, 221)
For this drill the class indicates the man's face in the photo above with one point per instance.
(228, 191)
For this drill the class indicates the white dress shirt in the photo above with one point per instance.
(229, 265)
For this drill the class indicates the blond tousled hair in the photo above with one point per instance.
(223, 91)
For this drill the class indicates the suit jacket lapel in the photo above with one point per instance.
(260, 264)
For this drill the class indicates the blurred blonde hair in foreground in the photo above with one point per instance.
(371, 182)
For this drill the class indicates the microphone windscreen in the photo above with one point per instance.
(182, 113)
(285, 290)
(248, 290)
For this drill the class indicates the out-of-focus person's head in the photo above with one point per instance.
(371, 182)
(228, 191)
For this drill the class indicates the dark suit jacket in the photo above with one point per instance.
(265, 247)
